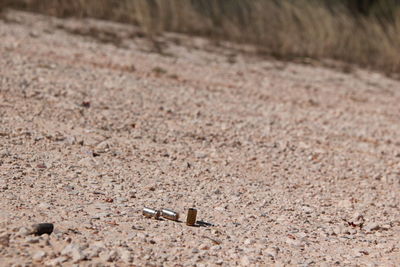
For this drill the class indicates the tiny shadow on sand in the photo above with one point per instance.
(198, 223)
(203, 224)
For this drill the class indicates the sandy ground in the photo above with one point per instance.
(293, 165)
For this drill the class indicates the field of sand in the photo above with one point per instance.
(289, 164)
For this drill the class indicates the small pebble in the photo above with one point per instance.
(126, 256)
(371, 227)
(5, 239)
(56, 262)
(249, 242)
(271, 252)
(294, 242)
(77, 255)
(219, 262)
(23, 231)
(39, 256)
(110, 256)
(44, 206)
(352, 231)
(245, 261)
(42, 228)
(307, 209)
(357, 220)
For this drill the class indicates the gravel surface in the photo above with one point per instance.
(290, 164)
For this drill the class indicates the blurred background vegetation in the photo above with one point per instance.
(364, 32)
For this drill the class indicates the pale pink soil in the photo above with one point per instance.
(295, 165)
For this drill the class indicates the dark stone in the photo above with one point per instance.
(43, 228)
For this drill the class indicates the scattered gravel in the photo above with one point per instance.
(286, 164)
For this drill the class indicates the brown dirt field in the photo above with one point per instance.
(292, 164)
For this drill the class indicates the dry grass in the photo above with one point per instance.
(286, 29)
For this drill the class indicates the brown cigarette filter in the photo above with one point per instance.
(151, 213)
(191, 217)
(170, 214)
